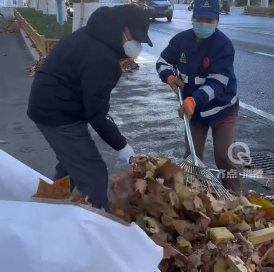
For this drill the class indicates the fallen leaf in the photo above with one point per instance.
(150, 167)
(249, 213)
(189, 205)
(194, 261)
(161, 161)
(199, 206)
(60, 189)
(263, 248)
(189, 231)
(217, 206)
(211, 246)
(157, 193)
(119, 213)
(181, 226)
(160, 181)
(266, 269)
(167, 170)
(78, 198)
(122, 186)
(167, 220)
(205, 221)
(180, 260)
(182, 242)
(243, 226)
(169, 211)
(247, 248)
(255, 258)
(149, 175)
(153, 226)
(227, 247)
(206, 199)
(140, 185)
(226, 219)
(268, 258)
(208, 266)
(238, 201)
(161, 240)
(141, 222)
(261, 202)
(183, 193)
(267, 210)
(243, 201)
(174, 199)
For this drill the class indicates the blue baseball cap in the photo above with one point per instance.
(206, 8)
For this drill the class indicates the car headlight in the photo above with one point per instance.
(170, 7)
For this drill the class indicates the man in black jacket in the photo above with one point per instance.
(73, 88)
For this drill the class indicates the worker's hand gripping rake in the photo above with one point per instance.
(195, 170)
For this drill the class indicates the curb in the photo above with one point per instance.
(28, 44)
(259, 15)
(259, 11)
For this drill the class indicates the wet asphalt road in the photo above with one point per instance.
(248, 33)
(143, 107)
(150, 110)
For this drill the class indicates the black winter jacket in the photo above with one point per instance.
(78, 76)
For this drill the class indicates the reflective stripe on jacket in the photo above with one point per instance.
(207, 70)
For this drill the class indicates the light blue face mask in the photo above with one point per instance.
(203, 30)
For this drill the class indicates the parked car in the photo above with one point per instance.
(156, 8)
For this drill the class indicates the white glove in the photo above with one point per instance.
(126, 153)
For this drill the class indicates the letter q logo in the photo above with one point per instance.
(240, 155)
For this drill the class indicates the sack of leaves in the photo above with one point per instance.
(153, 194)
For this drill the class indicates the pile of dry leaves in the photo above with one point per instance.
(34, 67)
(8, 26)
(127, 66)
(153, 194)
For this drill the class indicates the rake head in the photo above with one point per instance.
(200, 178)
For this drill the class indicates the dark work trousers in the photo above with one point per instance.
(78, 156)
(223, 134)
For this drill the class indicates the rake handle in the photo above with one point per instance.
(188, 131)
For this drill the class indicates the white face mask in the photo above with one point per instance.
(132, 48)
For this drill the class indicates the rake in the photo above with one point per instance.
(195, 169)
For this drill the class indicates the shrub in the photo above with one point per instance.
(46, 24)
(242, 3)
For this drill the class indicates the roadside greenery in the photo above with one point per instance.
(46, 24)
(242, 3)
